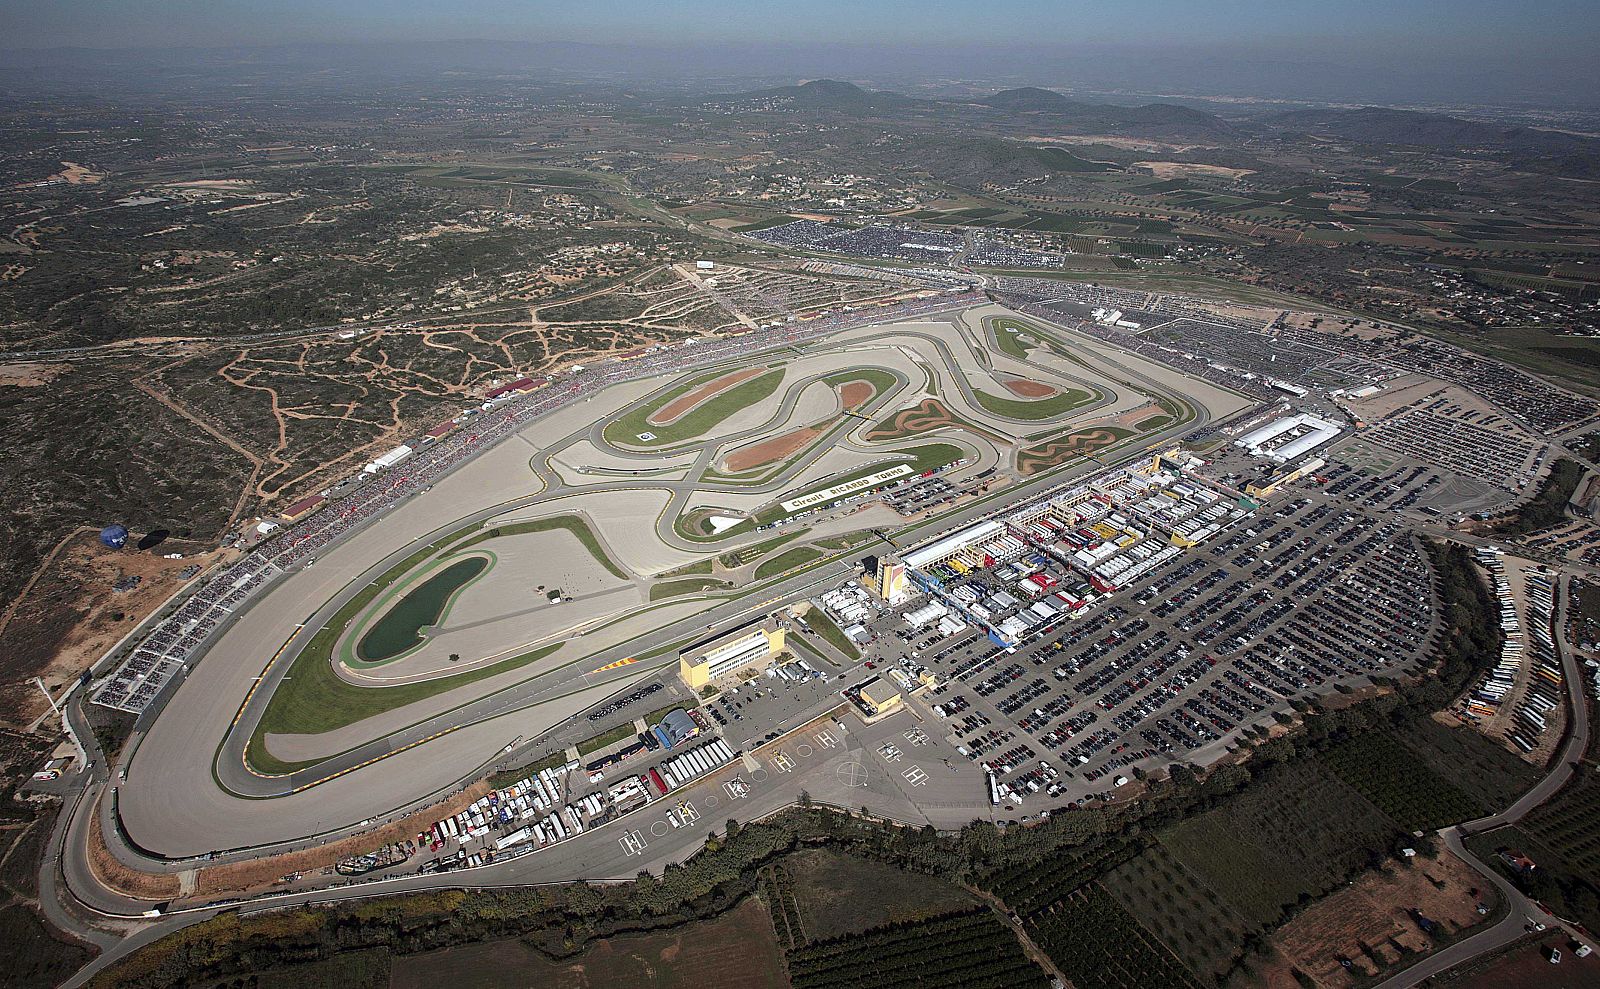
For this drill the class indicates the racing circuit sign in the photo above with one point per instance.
(848, 487)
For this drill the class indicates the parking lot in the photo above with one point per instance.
(1466, 441)
(1307, 599)
(750, 712)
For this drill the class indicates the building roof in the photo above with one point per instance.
(304, 505)
(951, 544)
(521, 384)
(879, 692)
(679, 725)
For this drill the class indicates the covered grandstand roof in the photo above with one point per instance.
(952, 544)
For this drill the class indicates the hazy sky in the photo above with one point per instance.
(1566, 27)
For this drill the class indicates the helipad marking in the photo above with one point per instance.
(632, 843)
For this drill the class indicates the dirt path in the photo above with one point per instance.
(44, 567)
(246, 489)
(1029, 948)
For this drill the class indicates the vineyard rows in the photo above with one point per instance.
(1034, 885)
(778, 886)
(966, 950)
(1098, 945)
(1400, 784)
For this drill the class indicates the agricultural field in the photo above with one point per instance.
(1569, 825)
(1031, 886)
(1408, 791)
(1498, 776)
(1294, 835)
(1372, 923)
(836, 895)
(736, 950)
(1191, 918)
(970, 949)
(1099, 945)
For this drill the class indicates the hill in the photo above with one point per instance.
(1525, 147)
(1147, 120)
(831, 94)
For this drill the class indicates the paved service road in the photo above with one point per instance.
(1522, 909)
(183, 813)
(181, 820)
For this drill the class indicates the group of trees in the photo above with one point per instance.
(1549, 507)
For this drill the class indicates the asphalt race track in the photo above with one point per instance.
(189, 791)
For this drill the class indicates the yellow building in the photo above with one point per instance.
(701, 664)
(879, 695)
(889, 582)
(1260, 490)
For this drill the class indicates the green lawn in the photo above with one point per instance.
(571, 523)
(313, 699)
(625, 429)
(1035, 409)
(829, 631)
(521, 773)
(698, 567)
(687, 585)
(1007, 333)
(879, 378)
(788, 560)
(741, 557)
(847, 540)
(682, 529)
(605, 738)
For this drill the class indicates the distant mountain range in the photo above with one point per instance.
(831, 94)
(1547, 151)
(1523, 147)
(1150, 116)
(1154, 119)
(1380, 125)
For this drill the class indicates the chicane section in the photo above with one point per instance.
(185, 812)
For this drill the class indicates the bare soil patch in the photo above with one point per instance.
(1184, 169)
(1527, 964)
(1023, 388)
(71, 613)
(684, 404)
(771, 451)
(737, 950)
(259, 874)
(1080, 443)
(927, 416)
(114, 874)
(1369, 922)
(853, 394)
(29, 375)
